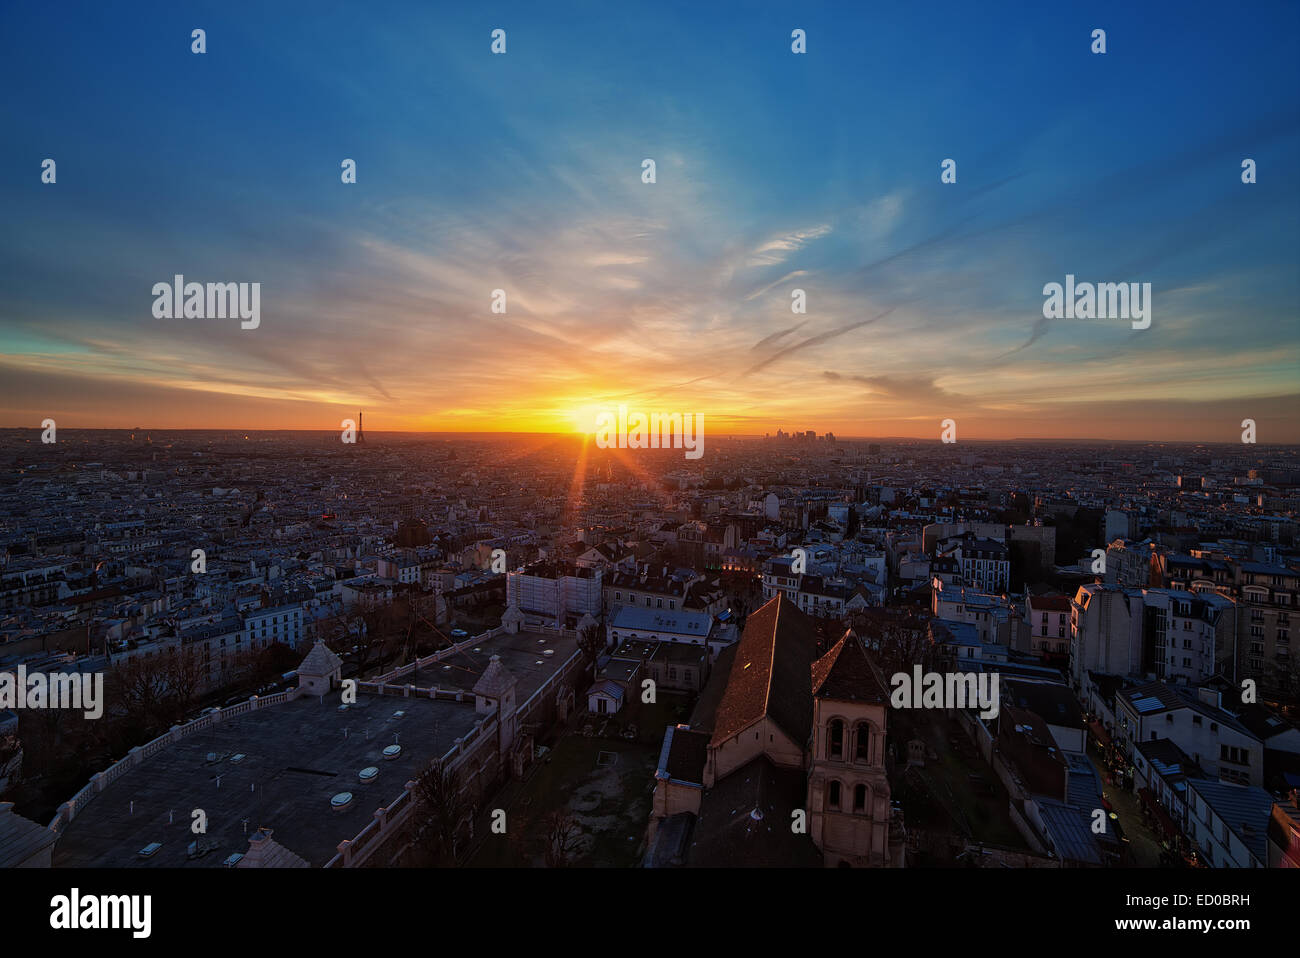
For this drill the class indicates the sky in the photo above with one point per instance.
(775, 171)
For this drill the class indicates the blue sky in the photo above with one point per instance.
(775, 171)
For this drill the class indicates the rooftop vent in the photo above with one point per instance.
(341, 800)
(392, 751)
(368, 774)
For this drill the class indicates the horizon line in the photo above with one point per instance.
(579, 435)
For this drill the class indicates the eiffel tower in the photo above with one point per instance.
(361, 435)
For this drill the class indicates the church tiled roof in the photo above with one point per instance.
(846, 674)
(770, 674)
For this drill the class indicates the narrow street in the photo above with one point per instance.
(1144, 843)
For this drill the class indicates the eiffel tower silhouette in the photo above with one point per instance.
(361, 434)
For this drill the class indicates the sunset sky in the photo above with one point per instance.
(775, 171)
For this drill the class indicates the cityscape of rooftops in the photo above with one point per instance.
(650, 437)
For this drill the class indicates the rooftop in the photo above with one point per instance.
(296, 757)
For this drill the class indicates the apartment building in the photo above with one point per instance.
(1196, 722)
(1229, 823)
(282, 623)
(1047, 618)
(552, 590)
(1105, 631)
(985, 563)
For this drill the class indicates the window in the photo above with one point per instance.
(863, 745)
(833, 796)
(860, 798)
(836, 744)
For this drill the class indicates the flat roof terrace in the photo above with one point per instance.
(297, 756)
(522, 653)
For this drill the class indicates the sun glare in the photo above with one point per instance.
(584, 419)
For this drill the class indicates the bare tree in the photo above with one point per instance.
(10, 749)
(563, 839)
(346, 632)
(185, 675)
(141, 689)
(440, 811)
(1286, 677)
(591, 640)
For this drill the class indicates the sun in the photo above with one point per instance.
(583, 418)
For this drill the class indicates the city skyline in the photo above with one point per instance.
(522, 172)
